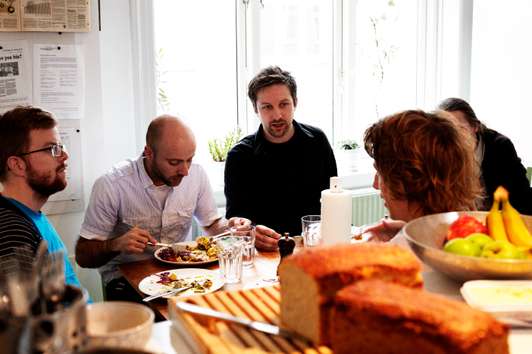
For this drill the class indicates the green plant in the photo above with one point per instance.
(219, 148)
(348, 145)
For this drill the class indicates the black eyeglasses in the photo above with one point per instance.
(56, 150)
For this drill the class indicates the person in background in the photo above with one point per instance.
(276, 175)
(32, 168)
(425, 164)
(150, 199)
(496, 154)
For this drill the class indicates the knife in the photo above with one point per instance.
(171, 292)
(256, 325)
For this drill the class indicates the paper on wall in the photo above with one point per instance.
(9, 15)
(15, 75)
(58, 80)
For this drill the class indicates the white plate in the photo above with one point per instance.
(150, 285)
(499, 296)
(182, 244)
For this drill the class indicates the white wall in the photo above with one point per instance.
(109, 125)
(501, 70)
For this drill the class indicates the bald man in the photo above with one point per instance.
(146, 200)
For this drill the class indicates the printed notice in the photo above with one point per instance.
(15, 80)
(58, 80)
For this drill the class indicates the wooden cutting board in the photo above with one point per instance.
(213, 336)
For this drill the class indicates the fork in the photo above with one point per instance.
(171, 292)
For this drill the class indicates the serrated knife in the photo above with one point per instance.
(256, 325)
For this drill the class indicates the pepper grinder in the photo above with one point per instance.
(286, 247)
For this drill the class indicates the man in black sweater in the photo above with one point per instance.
(275, 176)
(499, 163)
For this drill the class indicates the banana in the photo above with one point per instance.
(516, 229)
(495, 223)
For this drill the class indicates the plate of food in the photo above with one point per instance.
(193, 253)
(200, 281)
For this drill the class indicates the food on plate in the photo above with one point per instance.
(464, 226)
(310, 279)
(170, 280)
(515, 227)
(373, 316)
(494, 220)
(463, 247)
(203, 251)
(501, 250)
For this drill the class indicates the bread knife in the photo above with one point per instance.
(256, 325)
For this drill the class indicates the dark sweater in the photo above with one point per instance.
(502, 167)
(276, 184)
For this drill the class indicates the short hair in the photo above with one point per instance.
(425, 158)
(272, 75)
(15, 128)
(453, 104)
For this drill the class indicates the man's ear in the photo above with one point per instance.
(295, 102)
(148, 152)
(16, 165)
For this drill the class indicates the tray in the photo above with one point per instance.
(212, 336)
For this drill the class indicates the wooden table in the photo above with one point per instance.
(264, 272)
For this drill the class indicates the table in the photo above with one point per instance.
(264, 272)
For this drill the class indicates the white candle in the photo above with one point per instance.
(336, 214)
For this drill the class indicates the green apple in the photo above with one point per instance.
(463, 247)
(479, 238)
(502, 250)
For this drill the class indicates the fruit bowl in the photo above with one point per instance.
(426, 236)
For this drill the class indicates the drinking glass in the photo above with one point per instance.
(310, 225)
(248, 252)
(230, 250)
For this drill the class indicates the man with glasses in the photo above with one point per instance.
(150, 199)
(32, 168)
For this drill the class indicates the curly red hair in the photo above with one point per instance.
(425, 159)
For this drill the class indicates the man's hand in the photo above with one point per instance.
(239, 223)
(384, 230)
(266, 238)
(133, 241)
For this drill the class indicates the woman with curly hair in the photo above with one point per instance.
(425, 164)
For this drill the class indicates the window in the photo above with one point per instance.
(354, 61)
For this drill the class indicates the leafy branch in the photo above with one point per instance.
(220, 148)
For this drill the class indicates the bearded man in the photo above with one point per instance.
(32, 168)
(150, 199)
(276, 175)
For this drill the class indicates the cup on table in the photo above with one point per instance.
(310, 225)
(248, 238)
(230, 251)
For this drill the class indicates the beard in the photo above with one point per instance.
(172, 181)
(41, 184)
(277, 130)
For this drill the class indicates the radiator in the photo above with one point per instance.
(368, 206)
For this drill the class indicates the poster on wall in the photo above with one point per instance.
(58, 80)
(45, 15)
(69, 199)
(15, 80)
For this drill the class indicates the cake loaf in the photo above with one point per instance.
(310, 279)
(373, 316)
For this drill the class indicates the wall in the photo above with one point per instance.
(109, 125)
(501, 70)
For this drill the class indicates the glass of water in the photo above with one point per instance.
(310, 225)
(248, 238)
(230, 250)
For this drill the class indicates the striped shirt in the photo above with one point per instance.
(19, 239)
(126, 197)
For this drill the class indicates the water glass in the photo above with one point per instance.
(310, 225)
(248, 252)
(230, 249)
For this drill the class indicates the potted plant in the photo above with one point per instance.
(220, 148)
(347, 156)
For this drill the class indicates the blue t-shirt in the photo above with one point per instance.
(49, 234)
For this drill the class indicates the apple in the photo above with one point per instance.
(463, 247)
(479, 238)
(499, 249)
(464, 226)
